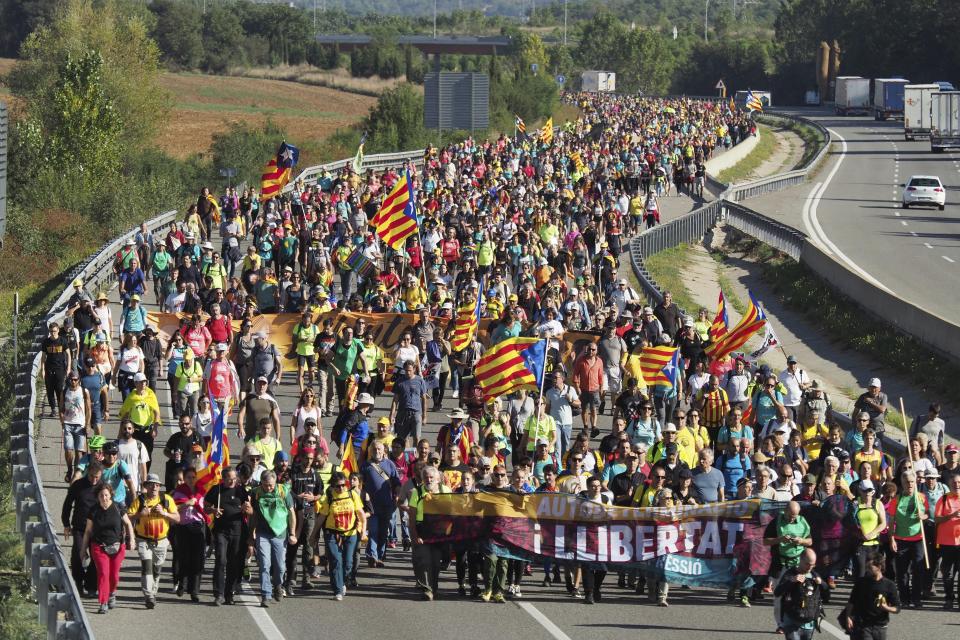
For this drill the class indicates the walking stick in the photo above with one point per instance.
(923, 535)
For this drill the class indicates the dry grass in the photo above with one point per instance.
(335, 79)
(205, 104)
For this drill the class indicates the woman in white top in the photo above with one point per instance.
(307, 409)
(406, 352)
(203, 419)
(101, 308)
(129, 362)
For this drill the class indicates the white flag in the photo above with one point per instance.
(770, 341)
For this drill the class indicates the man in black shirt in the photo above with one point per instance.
(152, 355)
(228, 503)
(54, 363)
(872, 600)
(625, 484)
(80, 500)
(306, 487)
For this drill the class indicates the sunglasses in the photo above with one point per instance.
(500, 475)
(659, 477)
(256, 457)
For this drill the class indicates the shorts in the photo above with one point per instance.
(589, 399)
(74, 437)
(306, 361)
(614, 379)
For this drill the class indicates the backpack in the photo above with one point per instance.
(804, 602)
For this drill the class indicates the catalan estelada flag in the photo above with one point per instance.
(653, 362)
(397, 218)
(546, 132)
(753, 103)
(515, 363)
(577, 158)
(218, 450)
(520, 124)
(277, 173)
(467, 322)
(721, 322)
(752, 321)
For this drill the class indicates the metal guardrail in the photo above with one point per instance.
(688, 228)
(377, 161)
(767, 230)
(60, 607)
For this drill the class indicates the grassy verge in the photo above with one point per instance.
(760, 154)
(811, 137)
(802, 290)
(667, 269)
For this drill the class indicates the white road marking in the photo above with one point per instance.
(816, 231)
(896, 213)
(913, 233)
(836, 632)
(260, 617)
(948, 259)
(544, 621)
(903, 222)
(928, 245)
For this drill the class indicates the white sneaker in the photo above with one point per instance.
(455, 394)
(338, 597)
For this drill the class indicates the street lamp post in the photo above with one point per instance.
(706, 11)
(564, 22)
(434, 19)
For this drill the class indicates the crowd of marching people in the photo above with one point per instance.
(531, 233)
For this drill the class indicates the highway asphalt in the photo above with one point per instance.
(852, 206)
(386, 604)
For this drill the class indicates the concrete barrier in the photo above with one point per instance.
(932, 330)
(733, 155)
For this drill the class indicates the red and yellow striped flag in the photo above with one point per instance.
(752, 321)
(467, 323)
(721, 322)
(652, 362)
(546, 132)
(397, 218)
(348, 460)
(515, 363)
(273, 180)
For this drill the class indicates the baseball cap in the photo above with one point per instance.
(809, 479)
(669, 428)
(152, 478)
(574, 291)
(365, 398)
(874, 382)
(951, 448)
(77, 282)
(647, 311)
(139, 377)
(222, 346)
(866, 485)
(111, 446)
(135, 296)
(384, 420)
(791, 359)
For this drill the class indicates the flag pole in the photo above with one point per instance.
(543, 370)
(923, 535)
(416, 212)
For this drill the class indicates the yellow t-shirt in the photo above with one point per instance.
(151, 526)
(341, 511)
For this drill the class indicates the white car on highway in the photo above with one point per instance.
(924, 190)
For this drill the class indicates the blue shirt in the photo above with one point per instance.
(380, 486)
(409, 394)
(733, 468)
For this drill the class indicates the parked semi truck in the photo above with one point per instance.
(852, 96)
(944, 120)
(888, 98)
(916, 110)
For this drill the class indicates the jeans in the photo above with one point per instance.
(229, 554)
(152, 554)
(565, 433)
(378, 526)
(400, 521)
(910, 570)
(108, 570)
(790, 633)
(271, 558)
(860, 559)
(340, 549)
